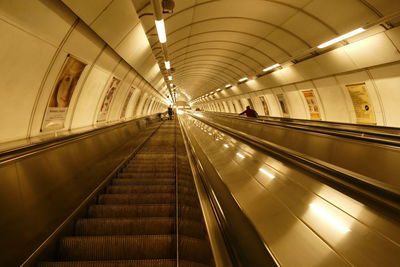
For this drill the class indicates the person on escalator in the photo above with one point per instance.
(170, 113)
(251, 113)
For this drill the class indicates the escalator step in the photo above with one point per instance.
(126, 226)
(138, 226)
(128, 263)
(125, 211)
(145, 210)
(117, 247)
(166, 168)
(146, 175)
(194, 249)
(139, 198)
(143, 181)
(126, 189)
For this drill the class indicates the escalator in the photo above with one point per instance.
(149, 214)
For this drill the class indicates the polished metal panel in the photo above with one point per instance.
(302, 221)
(38, 191)
(382, 169)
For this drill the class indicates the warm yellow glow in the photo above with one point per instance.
(228, 85)
(342, 37)
(199, 115)
(171, 84)
(218, 90)
(161, 31)
(225, 145)
(170, 78)
(270, 175)
(328, 217)
(180, 112)
(272, 67)
(167, 65)
(243, 79)
(240, 155)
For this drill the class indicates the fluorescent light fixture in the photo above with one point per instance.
(272, 67)
(342, 37)
(209, 133)
(270, 175)
(243, 79)
(170, 78)
(211, 93)
(161, 31)
(199, 115)
(329, 218)
(219, 90)
(240, 155)
(167, 65)
(228, 85)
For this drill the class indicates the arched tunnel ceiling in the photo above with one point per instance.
(215, 42)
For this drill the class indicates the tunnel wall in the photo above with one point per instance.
(38, 38)
(372, 61)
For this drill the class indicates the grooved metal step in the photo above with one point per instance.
(134, 222)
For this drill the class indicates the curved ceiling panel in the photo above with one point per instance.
(211, 43)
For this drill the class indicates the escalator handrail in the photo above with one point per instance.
(40, 146)
(283, 119)
(223, 256)
(387, 138)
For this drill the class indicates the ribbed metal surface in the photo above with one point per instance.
(134, 221)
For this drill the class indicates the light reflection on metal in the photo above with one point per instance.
(240, 155)
(329, 218)
(270, 175)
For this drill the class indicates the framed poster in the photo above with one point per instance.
(283, 104)
(250, 103)
(234, 108)
(264, 104)
(105, 106)
(128, 98)
(362, 103)
(61, 95)
(312, 104)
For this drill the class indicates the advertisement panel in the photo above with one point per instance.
(312, 104)
(362, 103)
(264, 104)
(283, 104)
(61, 95)
(105, 106)
(128, 98)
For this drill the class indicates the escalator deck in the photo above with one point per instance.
(134, 222)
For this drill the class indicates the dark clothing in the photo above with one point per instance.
(250, 113)
(170, 112)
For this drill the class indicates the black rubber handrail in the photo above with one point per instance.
(294, 120)
(36, 147)
(368, 136)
